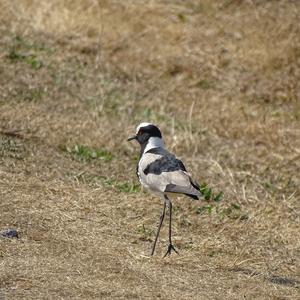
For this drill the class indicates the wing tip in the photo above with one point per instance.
(195, 197)
(190, 192)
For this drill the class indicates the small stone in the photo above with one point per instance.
(9, 233)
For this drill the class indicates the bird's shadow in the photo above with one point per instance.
(276, 279)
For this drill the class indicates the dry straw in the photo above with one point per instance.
(221, 79)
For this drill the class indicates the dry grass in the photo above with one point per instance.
(221, 78)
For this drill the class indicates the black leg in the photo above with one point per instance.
(170, 247)
(159, 226)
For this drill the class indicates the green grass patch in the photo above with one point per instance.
(11, 148)
(208, 194)
(109, 182)
(122, 186)
(30, 95)
(21, 42)
(205, 209)
(26, 51)
(232, 211)
(85, 153)
(204, 84)
(30, 59)
(145, 233)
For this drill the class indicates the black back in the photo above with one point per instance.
(167, 163)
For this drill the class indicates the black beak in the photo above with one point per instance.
(132, 138)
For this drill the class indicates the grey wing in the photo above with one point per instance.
(181, 182)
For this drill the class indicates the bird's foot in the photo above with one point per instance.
(170, 248)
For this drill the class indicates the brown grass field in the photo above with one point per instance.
(222, 81)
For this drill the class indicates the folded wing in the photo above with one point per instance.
(181, 182)
(168, 174)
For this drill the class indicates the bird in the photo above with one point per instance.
(162, 173)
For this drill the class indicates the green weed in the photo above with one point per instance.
(12, 148)
(85, 153)
(28, 52)
(145, 233)
(208, 194)
(109, 182)
(204, 84)
(205, 209)
(31, 59)
(233, 211)
(34, 94)
(122, 186)
(20, 42)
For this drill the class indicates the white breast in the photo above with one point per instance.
(145, 180)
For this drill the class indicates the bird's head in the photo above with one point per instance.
(144, 132)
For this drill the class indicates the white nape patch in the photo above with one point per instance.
(154, 142)
(144, 124)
